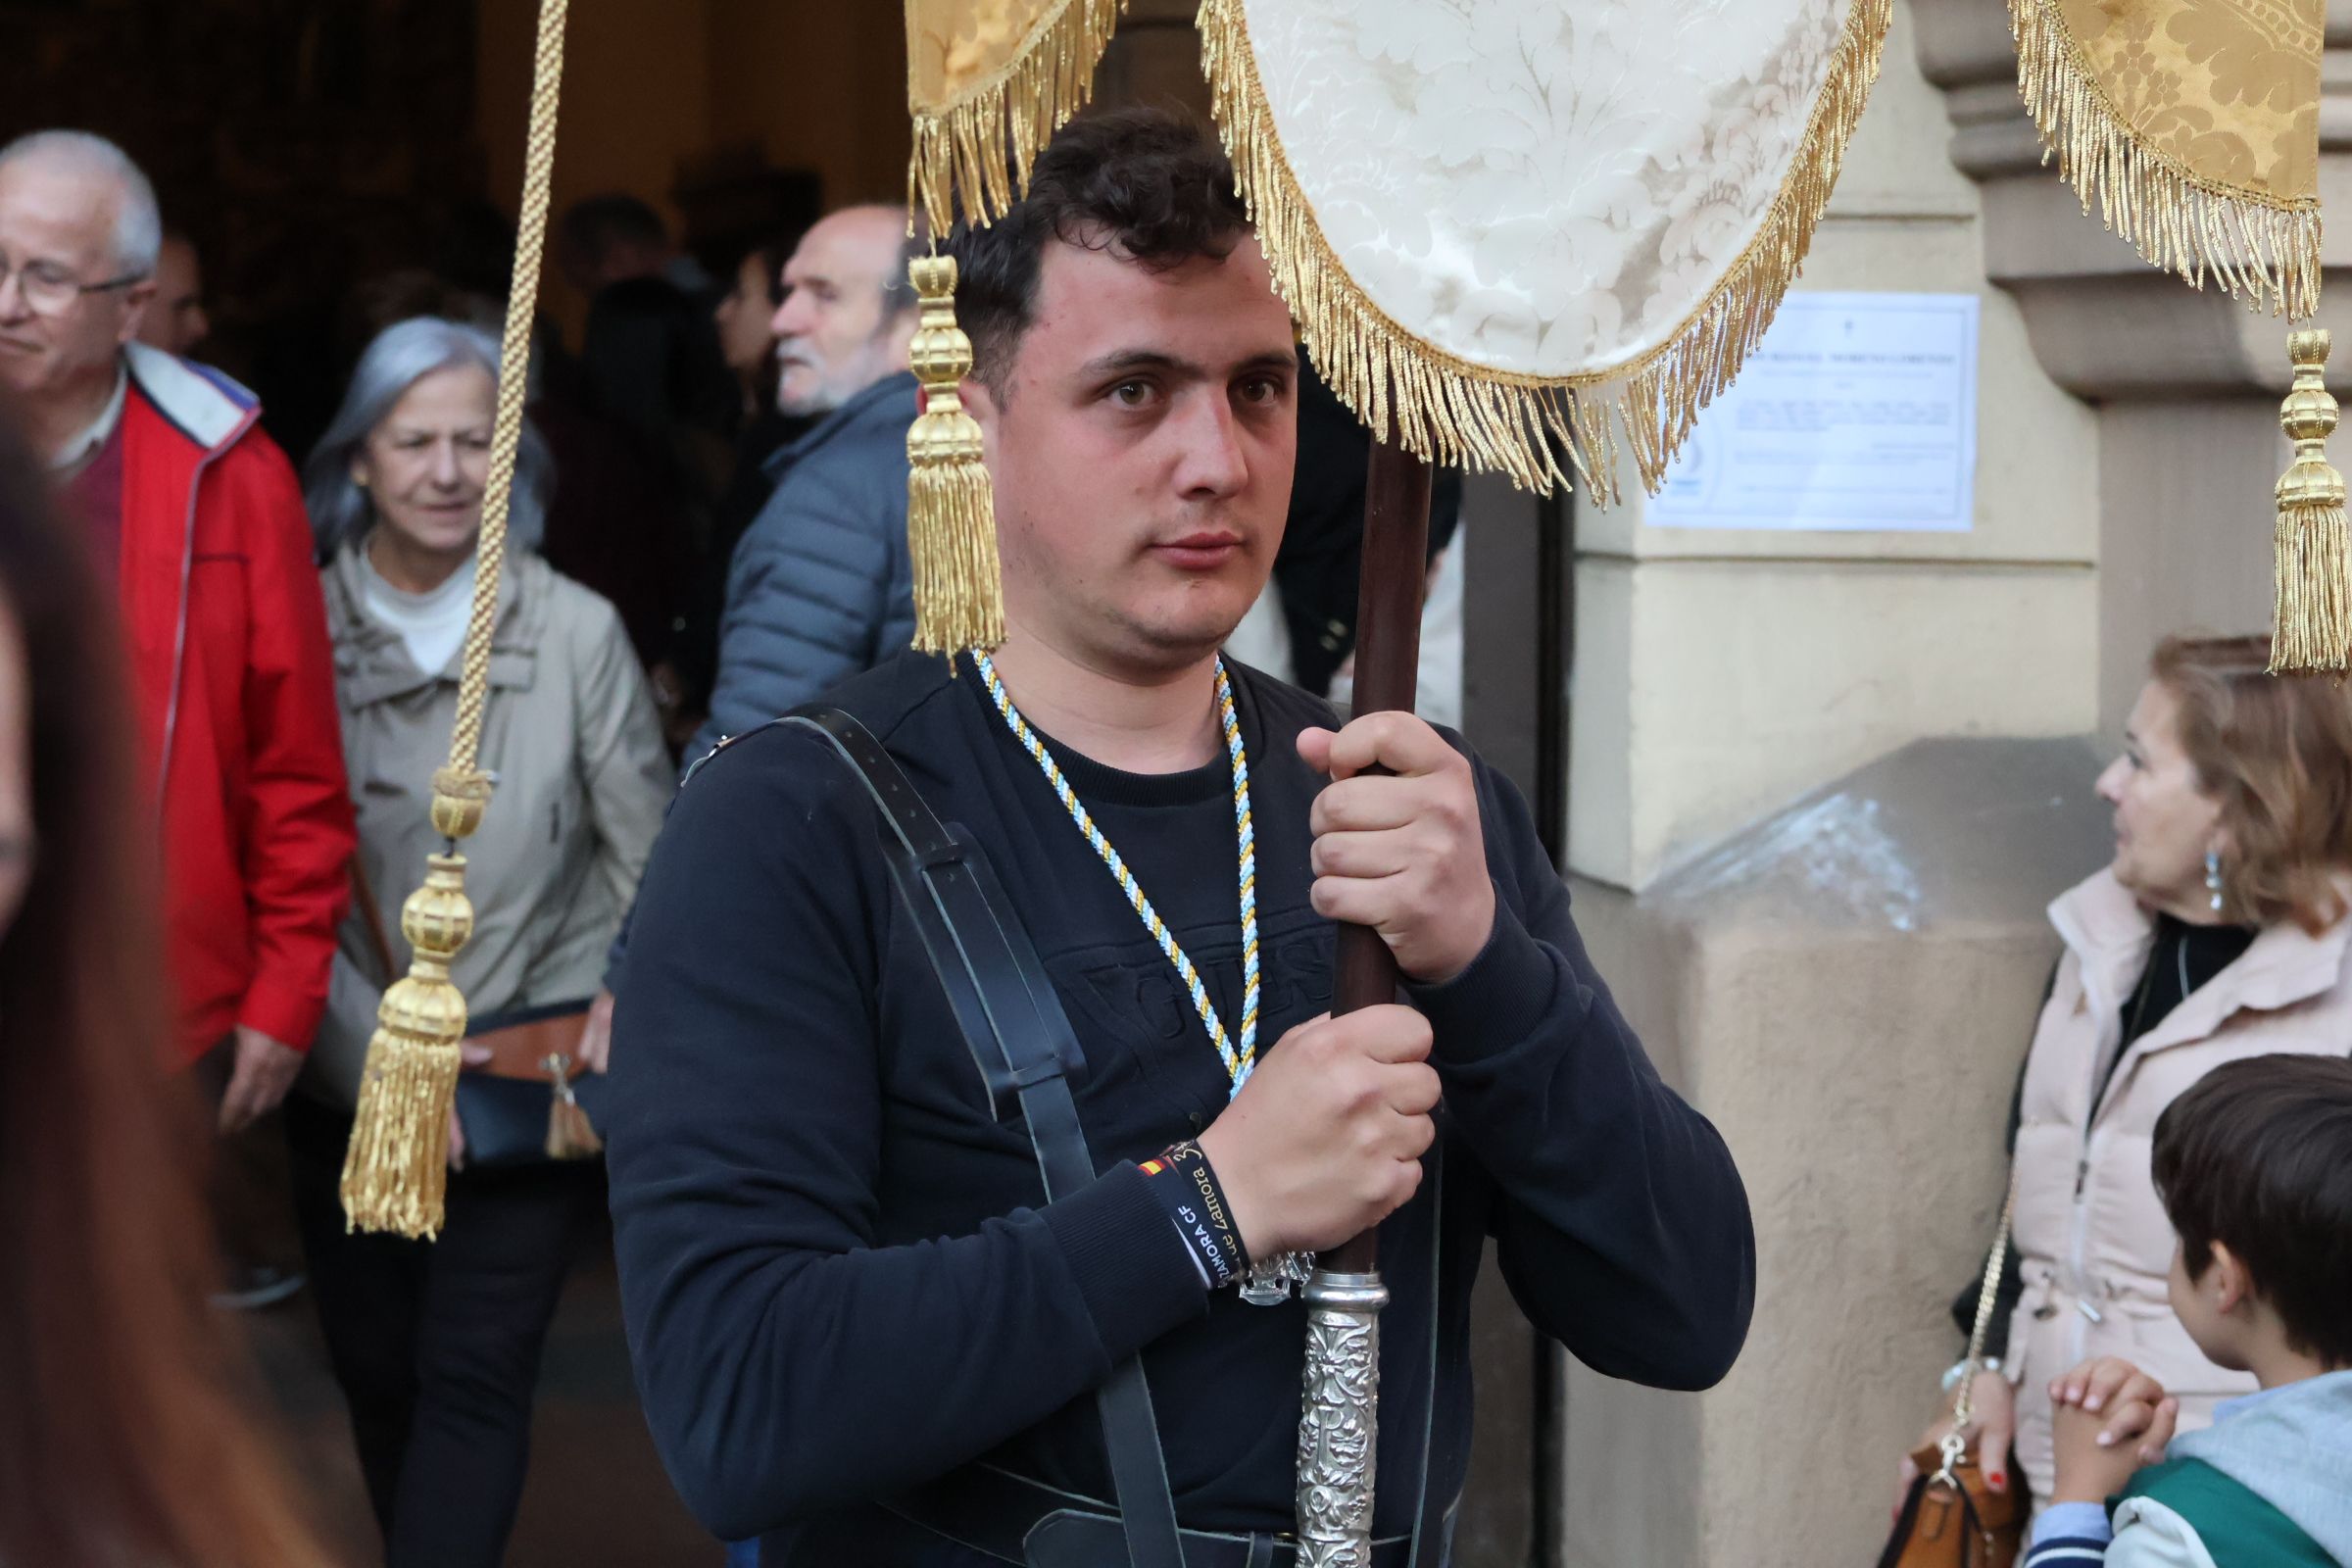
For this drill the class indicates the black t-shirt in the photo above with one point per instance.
(840, 1274)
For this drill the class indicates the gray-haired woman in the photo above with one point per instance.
(437, 1345)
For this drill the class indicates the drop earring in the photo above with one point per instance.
(2212, 878)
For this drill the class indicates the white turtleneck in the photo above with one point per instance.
(431, 624)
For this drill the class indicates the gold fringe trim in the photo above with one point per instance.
(395, 1171)
(952, 536)
(2312, 629)
(1448, 410)
(984, 145)
(2262, 249)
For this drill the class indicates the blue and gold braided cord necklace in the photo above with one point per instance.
(1269, 1281)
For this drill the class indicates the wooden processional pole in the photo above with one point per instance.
(1339, 1417)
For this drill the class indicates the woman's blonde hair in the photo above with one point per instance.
(2276, 753)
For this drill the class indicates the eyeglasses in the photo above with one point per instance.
(50, 291)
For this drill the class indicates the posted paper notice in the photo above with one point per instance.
(1857, 411)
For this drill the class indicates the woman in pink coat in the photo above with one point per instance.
(2219, 931)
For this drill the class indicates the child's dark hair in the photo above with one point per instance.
(1150, 183)
(2258, 1156)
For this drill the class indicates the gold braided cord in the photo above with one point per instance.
(2262, 248)
(513, 378)
(981, 146)
(395, 1173)
(1452, 411)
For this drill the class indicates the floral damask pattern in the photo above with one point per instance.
(2229, 88)
(1541, 187)
(953, 45)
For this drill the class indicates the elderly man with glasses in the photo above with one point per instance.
(197, 516)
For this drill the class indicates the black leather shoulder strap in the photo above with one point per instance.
(1021, 1040)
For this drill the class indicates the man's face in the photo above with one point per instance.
(834, 335)
(1141, 446)
(57, 226)
(176, 319)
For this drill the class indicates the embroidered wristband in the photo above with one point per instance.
(1187, 1188)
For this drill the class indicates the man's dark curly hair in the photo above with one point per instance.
(1152, 186)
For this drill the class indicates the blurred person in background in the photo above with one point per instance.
(746, 339)
(120, 1440)
(437, 1345)
(822, 588)
(176, 320)
(194, 512)
(746, 320)
(649, 351)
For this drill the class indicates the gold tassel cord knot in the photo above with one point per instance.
(460, 797)
(2312, 629)
(395, 1171)
(950, 515)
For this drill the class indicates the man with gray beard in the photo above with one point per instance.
(820, 587)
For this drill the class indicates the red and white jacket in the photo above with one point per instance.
(235, 693)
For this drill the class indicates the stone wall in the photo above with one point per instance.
(1847, 987)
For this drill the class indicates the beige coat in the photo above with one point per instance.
(571, 736)
(2097, 1244)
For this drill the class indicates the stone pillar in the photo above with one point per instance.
(1844, 987)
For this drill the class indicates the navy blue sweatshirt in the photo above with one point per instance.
(839, 1271)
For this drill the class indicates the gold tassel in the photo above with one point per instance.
(396, 1173)
(2312, 629)
(569, 1133)
(951, 513)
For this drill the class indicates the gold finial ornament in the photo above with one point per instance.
(2313, 626)
(951, 513)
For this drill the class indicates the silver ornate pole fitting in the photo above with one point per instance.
(1339, 1420)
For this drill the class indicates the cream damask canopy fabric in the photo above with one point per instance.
(1498, 221)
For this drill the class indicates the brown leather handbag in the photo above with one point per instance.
(1950, 1518)
(530, 1080)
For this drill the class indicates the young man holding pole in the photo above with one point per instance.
(863, 1328)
